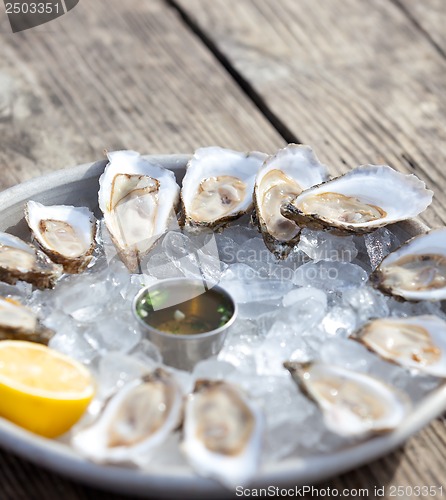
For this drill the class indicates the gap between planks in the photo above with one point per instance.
(248, 88)
(421, 29)
(238, 78)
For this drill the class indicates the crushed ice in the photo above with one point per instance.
(302, 308)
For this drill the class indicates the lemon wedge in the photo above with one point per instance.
(40, 389)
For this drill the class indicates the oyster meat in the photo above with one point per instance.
(134, 422)
(416, 342)
(416, 270)
(282, 177)
(17, 322)
(222, 433)
(218, 186)
(353, 404)
(66, 234)
(21, 261)
(138, 200)
(360, 201)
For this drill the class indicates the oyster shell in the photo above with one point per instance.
(353, 404)
(65, 233)
(133, 422)
(21, 261)
(218, 186)
(416, 270)
(282, 177)
(138, 200)
(360, 201)
(417, 342)
(17, 322)
(222, 433)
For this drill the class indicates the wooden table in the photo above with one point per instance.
(361, 81)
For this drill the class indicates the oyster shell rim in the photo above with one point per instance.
(296, 370)
(357, 336)
(281, 249)
(219, 224)
(71, 265)
(376, 276)
(318, 222)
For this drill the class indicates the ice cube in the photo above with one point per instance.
(242, 339)
(161, 267)
(286, 412)
(177, 245)
(379, 244)
(69, 339)
(117, 369)
(211, 267)
(281, 342)
(304, 309)
(330, 275)
(254, 310)
(347, 353)
(106, 246)
(227, 248)
(195, 256)
(367, 303)
(340, 321)
(241, 233)
(184, 379)
(137, 282)
(254, 251)
(245, 285)
(310, 294)
(113, 333)
(146, 352)
(323, 245)
(212, 369)
(82, 296)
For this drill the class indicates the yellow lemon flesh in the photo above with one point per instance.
(40, 389)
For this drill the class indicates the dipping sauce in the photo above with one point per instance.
(202, 313)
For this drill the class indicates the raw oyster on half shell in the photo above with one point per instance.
(134, 421)
(360, 201)
(17, 322)
(417, 342)
(222, 433)
(20, 261)
(353, 404)
(218, 186)
(138, 199)
(282, 177)
(65, 233)
(416, 270)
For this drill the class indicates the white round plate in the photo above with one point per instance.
(79, 186)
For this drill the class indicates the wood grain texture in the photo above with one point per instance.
(114, 75)
(430, 17)
(356, 80)
(361, 83)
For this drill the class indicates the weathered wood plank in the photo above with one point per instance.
(430, 16)
(361, 83)
(112, 75)
(357, 80)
